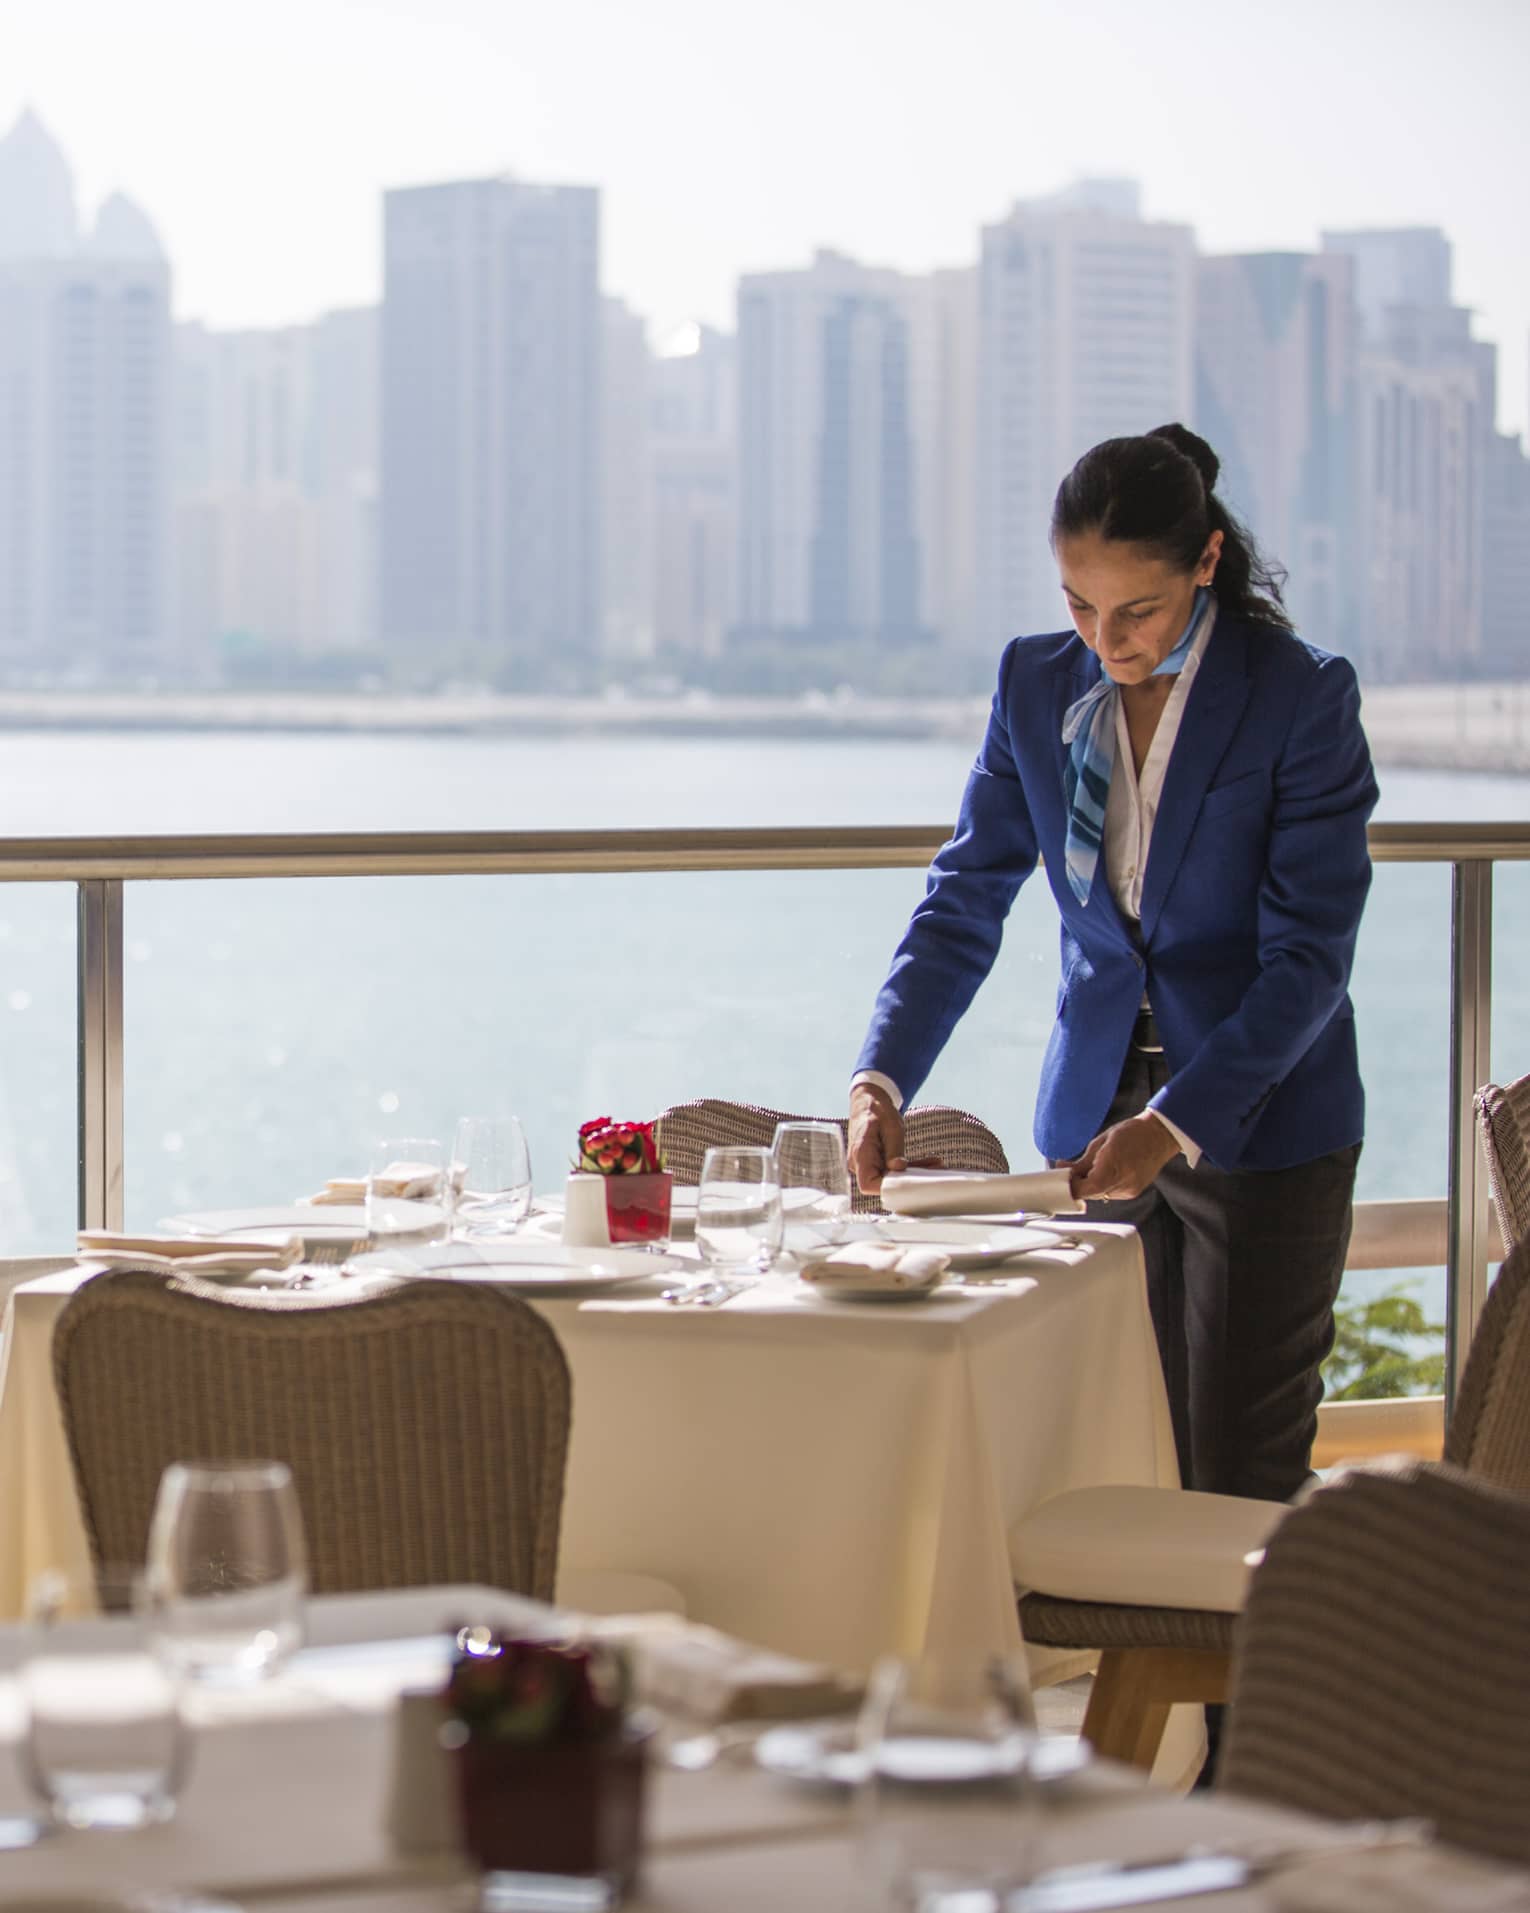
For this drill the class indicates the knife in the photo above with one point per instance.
(1092, 1889)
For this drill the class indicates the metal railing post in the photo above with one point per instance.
(99, 1049)
(1471, 1016)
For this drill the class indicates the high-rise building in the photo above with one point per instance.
(694, 441)
(626, 472)
(84, 421)
(1427, 402)
(276, 458)
(1506, 561)
(829, 546)
(1085, 330)
(1277, 355)
(491, 412)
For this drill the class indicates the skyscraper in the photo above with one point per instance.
(626, 471)
(1277, 353)
(491, 401)
(84, 421)
(694, 438)
(828, 536)
(1085, 325)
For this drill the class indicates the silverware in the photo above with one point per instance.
(708, 1293)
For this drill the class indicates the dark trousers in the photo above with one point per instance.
(1243, 1268)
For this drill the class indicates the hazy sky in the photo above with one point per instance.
(729, 137)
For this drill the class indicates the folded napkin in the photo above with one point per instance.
(876, 1265)
(686, 1668)
(182, 1255)
(953, 1192)
(402, 1181)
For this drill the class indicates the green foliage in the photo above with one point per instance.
(1376, 1349)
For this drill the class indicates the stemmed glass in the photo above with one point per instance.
(409, 1193)
(227, 1570)
(815, 1186)
(738, 1213)
(490, 1177)
(943, 1814)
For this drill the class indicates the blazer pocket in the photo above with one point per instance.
(1253, 787)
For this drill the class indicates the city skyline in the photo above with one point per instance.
(724, 146)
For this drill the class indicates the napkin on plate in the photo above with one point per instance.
(403, 1181)
(183, 1255)
(685, 1668)
(876, 1265)
(955, 1192)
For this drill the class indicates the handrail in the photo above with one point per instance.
(488, 852)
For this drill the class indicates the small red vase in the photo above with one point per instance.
(573, 1810)
(637, 1207)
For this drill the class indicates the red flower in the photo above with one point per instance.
(608, 1148)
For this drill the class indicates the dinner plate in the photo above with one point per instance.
(970, 1245)
(321, 1222)
(852, 1292)
(537, 1267)
(823, 1754)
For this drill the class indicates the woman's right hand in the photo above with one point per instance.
(876, 1137)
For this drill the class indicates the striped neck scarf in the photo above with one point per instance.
(1089, 732)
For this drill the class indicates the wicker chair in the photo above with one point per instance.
(1154, 1579)
(1503, 1121)
(426, 1426)
(1383, 1660)
(688, 1130)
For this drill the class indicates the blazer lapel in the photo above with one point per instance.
(1211, 715)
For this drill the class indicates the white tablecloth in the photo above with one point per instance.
(285, 1807)
(834, 1480)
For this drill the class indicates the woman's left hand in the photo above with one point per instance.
(1123, 1160)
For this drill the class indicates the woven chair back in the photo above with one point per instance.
(688, 1130)
(1383, 1660)
(1503, 1122)
(426, 1426)
(1489, 1432)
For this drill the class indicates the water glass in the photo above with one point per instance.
(490, 1176)
(944, 1813)
(408, 1191)
(738, 1211)
(105, 1745)
(815, 1186)
(228, 1570)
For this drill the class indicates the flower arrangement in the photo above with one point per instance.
(536, 1693)
(609, 1148)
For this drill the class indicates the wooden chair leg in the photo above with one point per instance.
(1133, 1691)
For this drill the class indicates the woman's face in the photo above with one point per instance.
(1130, 608)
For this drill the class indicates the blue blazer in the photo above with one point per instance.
(1256, 877)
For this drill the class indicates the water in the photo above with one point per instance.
(275, 1030)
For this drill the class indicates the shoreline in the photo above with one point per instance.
(1455, 727)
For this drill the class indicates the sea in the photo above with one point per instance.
(277, 1030)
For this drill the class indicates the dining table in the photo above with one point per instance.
(835, 1480)
(293, 1802)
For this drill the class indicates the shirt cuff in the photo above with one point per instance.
(879, 1081)
(1192, 1149)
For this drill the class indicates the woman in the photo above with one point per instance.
(1196, 780)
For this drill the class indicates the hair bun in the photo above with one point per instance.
(1195, 448)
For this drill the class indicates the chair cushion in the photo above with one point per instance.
(1147, 1547)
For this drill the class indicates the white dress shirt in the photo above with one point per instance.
(1130, 809)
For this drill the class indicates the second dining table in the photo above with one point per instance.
(831, 1479)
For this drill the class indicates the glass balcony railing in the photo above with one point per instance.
(238, 1018)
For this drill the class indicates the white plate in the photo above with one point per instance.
(536, 1266)
(324, 1222)
(970, 1245)
(848, 1292)
(820, 1755)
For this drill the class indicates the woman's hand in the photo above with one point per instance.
(876, 1138)
(1123, 1160)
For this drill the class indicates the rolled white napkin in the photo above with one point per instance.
(400, 1181)
(876, 1265)
(955, 1192)
(183, 1255)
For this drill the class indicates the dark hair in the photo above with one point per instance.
(1159, 491)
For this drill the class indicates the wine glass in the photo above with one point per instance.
(738, 1211)
(490, 1176)
(815, 1186)
(409, 1193)
(943, 1813)
(227, 1569)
